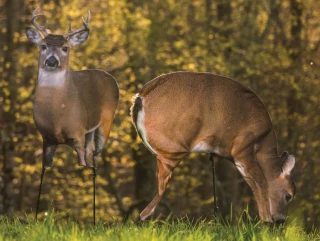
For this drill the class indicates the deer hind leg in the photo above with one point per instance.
(85, 148)
(164, 171)
(79, 146)
(101, 134)
(89, 149)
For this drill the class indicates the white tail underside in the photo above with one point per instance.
(142, 130)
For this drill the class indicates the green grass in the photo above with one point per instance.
(182, 229)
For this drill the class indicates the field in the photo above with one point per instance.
(53, 228)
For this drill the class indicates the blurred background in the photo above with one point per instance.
(272, 46)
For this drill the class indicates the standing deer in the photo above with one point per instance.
(70, 107)
(183, 112)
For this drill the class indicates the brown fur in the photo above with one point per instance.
(184, 109)
(71, 107)
(65, 115)
(55, 40)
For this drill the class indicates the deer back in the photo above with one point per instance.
(215, 109)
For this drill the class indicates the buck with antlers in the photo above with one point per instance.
(71, 107)
(183, 112)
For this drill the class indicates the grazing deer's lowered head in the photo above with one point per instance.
(71, 107)
(281, 189)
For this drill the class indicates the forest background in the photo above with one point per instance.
(272, 46)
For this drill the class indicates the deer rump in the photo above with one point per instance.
(186, 112)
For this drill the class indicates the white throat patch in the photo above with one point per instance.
(51, 78)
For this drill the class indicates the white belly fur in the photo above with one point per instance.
(204, 147)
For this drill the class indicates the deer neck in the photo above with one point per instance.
(52, 78)
(267, 156)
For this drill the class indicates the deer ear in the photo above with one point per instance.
(33, 35)
(288, 165)
(79, 38)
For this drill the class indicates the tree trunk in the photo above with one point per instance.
(144, 178)
(294, 50)
(9, 109)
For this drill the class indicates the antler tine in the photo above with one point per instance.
(43, 29)
(85, 24)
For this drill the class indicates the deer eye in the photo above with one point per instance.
(64, 49)
(43, 47)
(288, 197)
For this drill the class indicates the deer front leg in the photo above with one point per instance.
(47, 155)
(79, 146)
(248, 167)
(164, 171)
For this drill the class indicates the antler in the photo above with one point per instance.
(85, 24)
(43, 29)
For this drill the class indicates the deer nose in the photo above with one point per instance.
(279, 221)
(52, 62)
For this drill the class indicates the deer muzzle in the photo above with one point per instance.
(278, 219)
(52, 62)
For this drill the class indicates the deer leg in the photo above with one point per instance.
(93, 147)
(90, 155)
(216, 209)
(164, 171)
(100, 136)
(249, 168)
(48, 152)
(94, 174)
(47, 156)
(38, 201)
(79, 146)
(89, 149)
(85, 149)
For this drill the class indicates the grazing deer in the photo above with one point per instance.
(183, 112)
(71, 107)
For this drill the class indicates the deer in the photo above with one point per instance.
(182, 112)
(75, 108)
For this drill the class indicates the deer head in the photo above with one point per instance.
(54, 49)
(281, 190)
